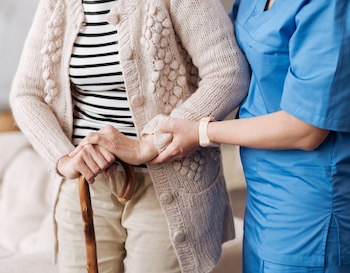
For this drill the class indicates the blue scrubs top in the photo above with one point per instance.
(299, 52)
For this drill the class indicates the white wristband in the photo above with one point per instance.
(204, 140)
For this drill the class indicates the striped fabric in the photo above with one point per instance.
(100, 98)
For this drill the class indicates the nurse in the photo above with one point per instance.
(294, 133)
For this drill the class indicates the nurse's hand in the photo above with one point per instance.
(184, 143)
(89, 161)
(131, 151)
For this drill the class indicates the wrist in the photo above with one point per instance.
(147, 149)
(204, 140)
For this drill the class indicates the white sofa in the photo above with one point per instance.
(26, 234)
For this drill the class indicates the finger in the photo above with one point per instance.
(98, 158)
(92, 160)
(108, 129)
(111, 169)
(165, 156)
(91, 138)
(108, 157)
(80, 166)
(75, 151)
(88, 174)
(65, 167)
(166, 127)
(101, 139)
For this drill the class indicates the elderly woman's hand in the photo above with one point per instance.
(131, 151)
(89, 161)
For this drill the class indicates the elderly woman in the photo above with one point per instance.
(120, 68)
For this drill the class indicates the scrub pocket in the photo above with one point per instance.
(295, 208)
(331, 259)
(252, 263)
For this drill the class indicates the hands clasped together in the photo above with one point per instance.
(98, 151)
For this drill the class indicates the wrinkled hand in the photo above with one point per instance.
(131, 151)
(89, 161)
(184, 143)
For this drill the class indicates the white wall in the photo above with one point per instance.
(15, 19)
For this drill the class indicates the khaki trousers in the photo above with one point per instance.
(131, 238)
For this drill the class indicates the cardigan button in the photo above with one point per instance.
(166, 198)
(137, 100)
(129, 54)
(113, 16)
(179, 237)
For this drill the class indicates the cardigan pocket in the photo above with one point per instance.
(196, 173)
(210, 210)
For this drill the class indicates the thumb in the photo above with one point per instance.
(75, 151)
(166, 127)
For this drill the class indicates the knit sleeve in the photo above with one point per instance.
(32, 114)
(206, 33)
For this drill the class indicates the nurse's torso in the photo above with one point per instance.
(292, 195)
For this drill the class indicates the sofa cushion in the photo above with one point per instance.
(40, 262)
(25, 197)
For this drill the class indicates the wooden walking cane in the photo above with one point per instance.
(124, 195)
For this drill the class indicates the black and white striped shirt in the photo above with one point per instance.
(100, 98)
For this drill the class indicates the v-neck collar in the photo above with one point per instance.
(259, 15)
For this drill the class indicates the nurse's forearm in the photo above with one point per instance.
(279, 130)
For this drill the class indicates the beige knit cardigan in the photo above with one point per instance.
(180, 60)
